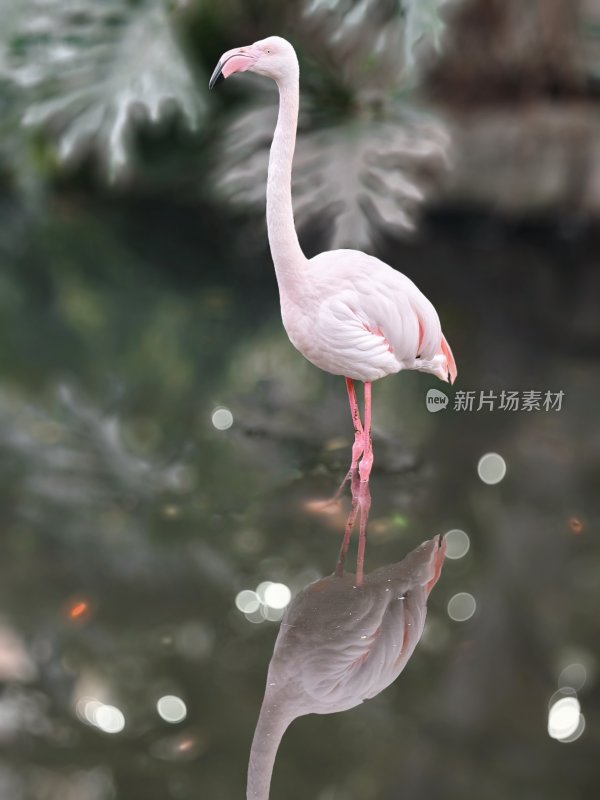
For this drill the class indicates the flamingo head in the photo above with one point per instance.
(273, 57)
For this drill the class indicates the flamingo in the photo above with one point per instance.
(339, 645)
(347, 312)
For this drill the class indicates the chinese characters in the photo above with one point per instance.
(527, 400)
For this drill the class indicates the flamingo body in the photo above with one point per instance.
(359, 318)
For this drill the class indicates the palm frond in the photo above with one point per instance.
(371, 165)
(387, 35)
(361, 176)
(87, 70)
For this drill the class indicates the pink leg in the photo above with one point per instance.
(364, 503)
(358, 446)
(367, 460)
(361, 501)
(339, 570)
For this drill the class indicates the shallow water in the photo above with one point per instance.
(131, 521)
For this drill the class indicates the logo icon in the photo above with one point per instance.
(435, 400)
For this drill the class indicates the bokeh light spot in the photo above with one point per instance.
(271, 614)
(277, 595)
(563, 718)
(267, 603)
(261, 589)
(247, 601)
(86, 709)
(491, 468)
(171, 708)
(109, 719)
(576, 733)
(576, 525)
(461, 607)
(78, 610)
(256, 617)
(183, 747)
(572, 676)
(457, 543)
(222, 419)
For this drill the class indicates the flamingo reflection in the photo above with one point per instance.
(361, 504)
(342, 641)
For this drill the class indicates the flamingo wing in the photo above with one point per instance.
(372, 310)
(346, 341)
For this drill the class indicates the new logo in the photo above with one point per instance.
(435, 400)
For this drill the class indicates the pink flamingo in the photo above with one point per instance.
(345, 311)
(338, 646)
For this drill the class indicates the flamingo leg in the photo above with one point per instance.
(339, 570)
(361, 503)
(358, 446)
(366, 463)
(364, 504)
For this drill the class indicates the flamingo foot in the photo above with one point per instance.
(366, 464)
(357, 451)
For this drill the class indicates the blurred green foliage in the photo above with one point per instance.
(87, 76)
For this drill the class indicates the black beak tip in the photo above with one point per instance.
(216, 75)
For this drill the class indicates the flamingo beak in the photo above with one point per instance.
(216, 75)
(238, 60)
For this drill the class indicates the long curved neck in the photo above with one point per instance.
(272, 724)
(283, 240)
